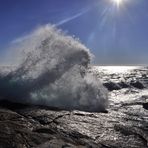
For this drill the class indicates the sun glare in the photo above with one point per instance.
(116, 69)
(118, 2)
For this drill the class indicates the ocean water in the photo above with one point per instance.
(104, 74)
(53, 69)
(129, 83)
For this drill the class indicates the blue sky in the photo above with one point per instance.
(114, 35)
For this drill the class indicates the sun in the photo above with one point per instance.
(118, 2)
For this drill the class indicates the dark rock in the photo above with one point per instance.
(34, 126)
(137, 84)
(111, 86)
(145, 106)
(123, 85)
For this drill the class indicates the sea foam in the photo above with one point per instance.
(53, 70)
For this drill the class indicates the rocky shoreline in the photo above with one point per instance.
(125, 124)
(34, 126)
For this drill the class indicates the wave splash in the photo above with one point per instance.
(53, 72)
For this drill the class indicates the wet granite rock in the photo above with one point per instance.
(116, 86)
(145, 106)
(137, 84)
(36, 126)
(112, 86)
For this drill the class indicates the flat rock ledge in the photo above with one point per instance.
(24, 126)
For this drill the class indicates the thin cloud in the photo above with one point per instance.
(71, 18)
(23, 38)
(20, 39)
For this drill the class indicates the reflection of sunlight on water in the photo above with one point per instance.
(126, 95)
(116, 69)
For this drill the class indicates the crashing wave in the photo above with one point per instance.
(53, 71)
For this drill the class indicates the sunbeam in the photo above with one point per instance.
(118, 2)
(109, 16)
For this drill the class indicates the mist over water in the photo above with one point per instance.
(52, 70)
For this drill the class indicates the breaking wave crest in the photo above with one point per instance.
(53, 72)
